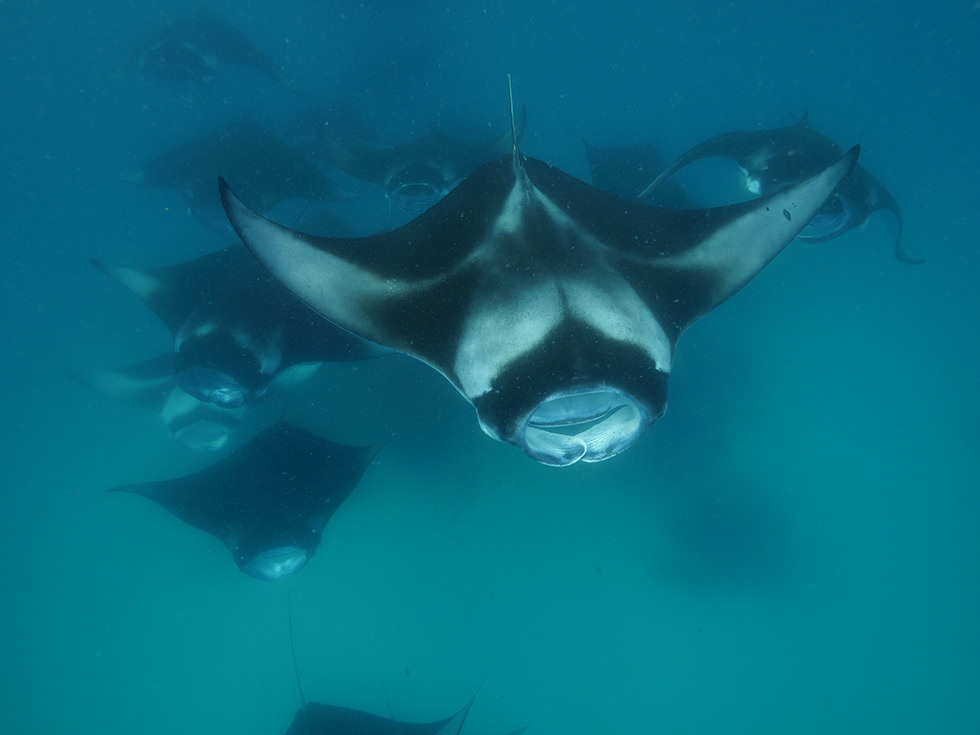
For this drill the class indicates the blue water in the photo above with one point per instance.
(793, 548)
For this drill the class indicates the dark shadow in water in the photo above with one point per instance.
(728, 535)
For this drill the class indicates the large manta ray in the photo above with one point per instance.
(552, 306)
(771, 160)
(192, 49)
(270, 170)
(417, 174)
(269, 501)
(151, 385)
(237, 332)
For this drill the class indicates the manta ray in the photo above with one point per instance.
(269, 169)
(151, 385)
(238, 335)
(553, 307)
(417, 174)
(270, 500)
(327, 719)
(192, 49)
(771, 160)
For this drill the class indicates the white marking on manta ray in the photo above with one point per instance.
(329, 282)
(190, 330)
(141, 283)
(743, 247)
(759, 160)
(497, 334)
(268, 355)
(752, 184)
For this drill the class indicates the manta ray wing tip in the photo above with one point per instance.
(234, 207)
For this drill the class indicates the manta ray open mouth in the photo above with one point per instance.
(212, 386)
(203, 436)
(276, 563)
(416, 196)
(590, 425)
(832, 219)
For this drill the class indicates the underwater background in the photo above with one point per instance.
(793, 548)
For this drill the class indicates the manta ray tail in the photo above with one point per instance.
(513, 124)
(454, 725)
(905, 255)
(292, 648)
(518, 159)
(901, 249)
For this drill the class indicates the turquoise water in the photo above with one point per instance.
(792, 548)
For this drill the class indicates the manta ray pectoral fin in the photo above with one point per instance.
(408, 289)
(347, 159)
(140, 282)
(454, 724)
(720, 146)
(164, 290)
(326, 282)
(750, 236)
(145, 384)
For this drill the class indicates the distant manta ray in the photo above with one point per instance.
(327, 719)
(151, 385)
(552, 307)
(270, 500)
(415, 175)
(237, 333)
(267, 167)
(774, 159)
(192, 49)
